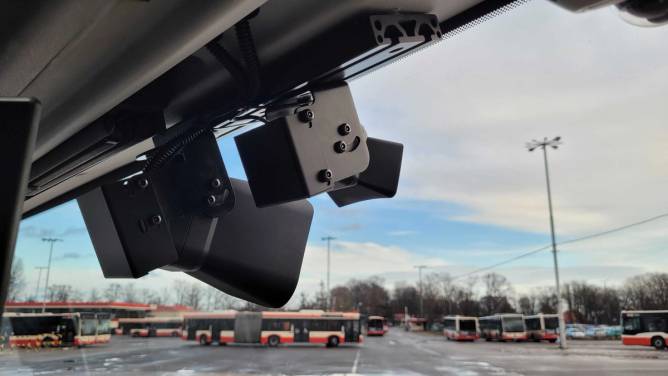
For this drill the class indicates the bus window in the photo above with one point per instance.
(551, 323)
(513, 324)
(273, 325)
(632, 325)
(533, 323)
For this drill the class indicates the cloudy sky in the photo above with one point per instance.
(470, 193)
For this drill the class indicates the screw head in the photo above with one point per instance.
(156, 219)
(306, 115)
(142, 183)
(211, 200)
(325, 175)
(340, 147)
(216, 183)
(344, 129)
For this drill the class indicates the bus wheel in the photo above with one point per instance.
(488, 339)
(333, 341)
(46, 342)
(658, 343)
(273, 341)
(553, 340)
(175, 334)
(203, 341)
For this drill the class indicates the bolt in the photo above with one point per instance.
(216, 183)
(325, 175)
(156, 219)
(340, 147)
(306, 115)
(344, 129)
(211, 200)
(142, 183)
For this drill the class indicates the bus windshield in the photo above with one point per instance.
(467, 325)
(513, 324)
(376, 324)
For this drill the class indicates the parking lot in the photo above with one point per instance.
(397, 353)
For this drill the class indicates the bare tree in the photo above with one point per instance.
(113, 292)
(93, 295)
(16, 280)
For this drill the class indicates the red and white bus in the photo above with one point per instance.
(461, 328)
(150, 326)
(503, 327)
(54, 330)
(376, 326)
(645, 328)
(273, 327)
(542, 327)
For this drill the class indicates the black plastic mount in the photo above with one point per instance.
(372, 41)
(147, 221)
(379, 180)
(306, 152)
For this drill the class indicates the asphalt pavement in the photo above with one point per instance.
(397, 353)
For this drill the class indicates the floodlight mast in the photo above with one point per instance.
(554, 144)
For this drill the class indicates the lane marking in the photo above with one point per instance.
(357, 359)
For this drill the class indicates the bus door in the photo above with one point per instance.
(352, 330)
(301, 331)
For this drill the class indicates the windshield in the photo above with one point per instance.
(483, 116)
(467, 325)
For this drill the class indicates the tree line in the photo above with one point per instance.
(493, 293)
(438, 295)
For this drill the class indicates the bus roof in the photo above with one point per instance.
(501, 315)
(459, 317)
(310, 315)
(150, 319)
(211, 315)
(81, 305)
(41, 314)
(647, 311)
(539, 315)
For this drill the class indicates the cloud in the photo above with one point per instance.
(35, 232)
(74, 231)
(70, 256)
(401, 232)
(351, 227)
(464, 120)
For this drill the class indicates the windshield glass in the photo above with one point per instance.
(532, 102)
(467, 325)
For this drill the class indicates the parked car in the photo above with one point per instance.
(575, 333)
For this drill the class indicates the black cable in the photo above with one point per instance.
(239, 75)
(249, 56)
(167, 152)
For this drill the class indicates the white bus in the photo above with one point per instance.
(461, 328)
(645, 328)
(274, 327)
(503, 327)
(542, 327)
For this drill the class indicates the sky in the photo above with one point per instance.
(470, 194)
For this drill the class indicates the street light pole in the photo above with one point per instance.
(419, 268)
(39, 278)
(48, 268)
(554, 144)
(328, 239)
